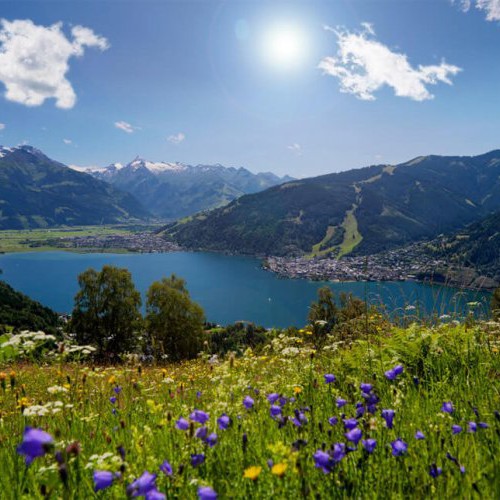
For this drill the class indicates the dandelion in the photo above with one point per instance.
(329, 378)
(166, 468)
(388, 416)
(102, 479)
(447, 407)
(279, 469)
(252, 472)
(206, 493)
(399, 447)
(369, 445)
(297, 390)
(248, 402)
(36, 443)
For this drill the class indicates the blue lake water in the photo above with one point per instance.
(229, 288)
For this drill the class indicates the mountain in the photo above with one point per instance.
(360, 211)
(36, 191)
(174, 190)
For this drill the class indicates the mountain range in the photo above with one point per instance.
(175, 190)
(359, 211)
(37, 192)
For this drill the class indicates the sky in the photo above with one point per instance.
(298, 87)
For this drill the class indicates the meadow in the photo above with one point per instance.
(406, 412)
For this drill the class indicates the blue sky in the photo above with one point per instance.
(303, 88)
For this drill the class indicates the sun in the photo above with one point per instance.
(285, 46)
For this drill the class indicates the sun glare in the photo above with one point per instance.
(285, 46)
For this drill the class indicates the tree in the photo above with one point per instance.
(173, 321)
(323, 314)
(107, 311)
(495, 304)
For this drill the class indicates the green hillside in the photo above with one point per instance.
(359, 211)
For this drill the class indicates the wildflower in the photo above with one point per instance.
(201, 432)
(435, 471)
(182, 424)
(399, 447)
(166, 468)
(366, 388)
(252, 472)
(388, 416)
(419, 435)
(323, 461)
(329, 378)
(297, 390)
(369, 445)
(211, 440)
(354, 435)
(360, 410)
(112, 400)
(117, 389)
(223, 422)
(275, 411)
(206, 493)
(279, 469)
(350, 423)
(456, 429)
(447, 407)
(483, 425)
(102, 479)
(273, 397)
(472, 427)
(35, 444)
(142, 485)
(199, 416)
(197, 459)
(333, 420)
(112, 380)
(248, 402)
(393, 373)
(154, 494)
(341, 402)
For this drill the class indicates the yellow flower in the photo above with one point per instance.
(297, 390)
(112, 379)
(252, 472)
(279, 469)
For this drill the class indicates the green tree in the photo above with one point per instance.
(495, 303)
(107, 311)
(173, 321)
(323, 314)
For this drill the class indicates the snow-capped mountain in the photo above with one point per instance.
(173, 190)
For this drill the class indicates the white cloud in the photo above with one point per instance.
(126, 127)
(295, 148)
(67, 141)
(491, 7)
(363, 65)
(34, 60)
(2, 126)
(176, 138)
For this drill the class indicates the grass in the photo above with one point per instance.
(138, 432)
(352, 237)
(319, 249)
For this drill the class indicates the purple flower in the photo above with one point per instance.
(198, 394)
(166, 468)
(419, 435)
(329, 378)
(211, 439)
(273, 397)
(112, 400)
(223, 422)
(154, 494)
(338, 452)
(182, 424)
(201, 432)
(323, 461)
(456, 429)
(435, 471)
(399, 447)
(248, 402)
(472, 427)
(117, 389)
(333, 420)
(142, 485)
(282, 401)
(341, 402)
(369, 445)
(360, 410)
(197, 459)
(206, 493)
(350, 423)
(275, 410)
(483, 425)
(199, 416)
(102, 479)
(447, 407)
(366, 388)
(354, 435)
(393, 373)
(35, 444)
(388, 416)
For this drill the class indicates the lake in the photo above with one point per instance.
(229, 288)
